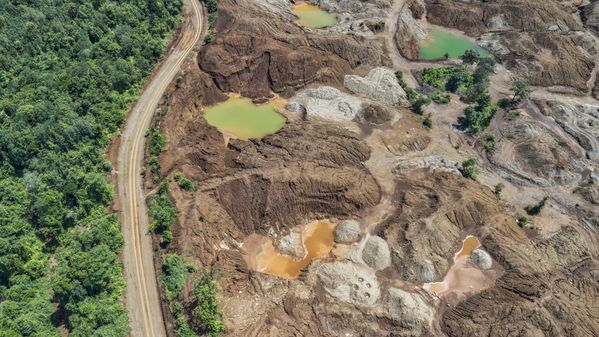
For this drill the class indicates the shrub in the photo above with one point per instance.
(206, 314)
(504, 103)
(436, 77)
(440, 98)
(523, 221)
(156, 141)
(536, 208)
(428, 122)
(521, 90)
(419, 103)
(212, 18)
(479, 117)
(184, 183)
(209, 36)
(211, 5)
(490, 143)
(498, 189)
(470, 168)
(162, 210)
(471, 56)
(379, 26)
(173, 276)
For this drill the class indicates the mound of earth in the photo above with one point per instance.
(436, 206)
(376, 253)
(347, 231)
(410, 32)
(542, 41)
(257, 50)
(535, 154)
(325, 102)
(379, 85)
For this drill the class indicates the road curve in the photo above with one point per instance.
(143, 301)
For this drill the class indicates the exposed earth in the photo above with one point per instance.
(418, 248)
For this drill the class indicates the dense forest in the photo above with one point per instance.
(68, 72)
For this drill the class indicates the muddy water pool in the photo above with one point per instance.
(312, 16)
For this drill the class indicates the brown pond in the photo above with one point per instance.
(262, 256)
(463, 276)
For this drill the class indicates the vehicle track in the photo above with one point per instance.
(143, 300)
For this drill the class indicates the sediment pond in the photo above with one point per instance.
(312, 16)
(262, 256)
(441, 42)
(462, 276)
(240, 118)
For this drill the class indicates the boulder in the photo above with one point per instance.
(349, 282)
(379, 85)
(427, 272)
(481, 259)
(411, 310)
(376, 253)
(347, 231)
(326, 102)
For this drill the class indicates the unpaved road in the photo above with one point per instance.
(143, 301)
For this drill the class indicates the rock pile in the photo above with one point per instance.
(411, 309)
(347, 231)
(349, 282)
(481, 259)
(376, 253)
(380, 85)
(325, 102)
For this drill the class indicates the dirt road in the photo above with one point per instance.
(143, 301)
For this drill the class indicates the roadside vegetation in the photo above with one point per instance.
(206, 316)
(68, 73)
(211, 7)
(162, 210)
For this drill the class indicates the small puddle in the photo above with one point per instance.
(463, 276)
(470, 243)
(441, 42)
(262, 256)
(312, 16)
(239, 118)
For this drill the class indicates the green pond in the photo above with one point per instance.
(441, 42)
(313, 16)
(242, 119)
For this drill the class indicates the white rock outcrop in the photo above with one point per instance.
(349, 282)
(347, 231)
(411, 309)
(379, 85)
(376, 253)
(326, 102)
(481, 259)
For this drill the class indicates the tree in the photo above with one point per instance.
(471, 56)
(521, 90)
(535, 209)
(173, 276)
(470, 168)
(207, 315)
